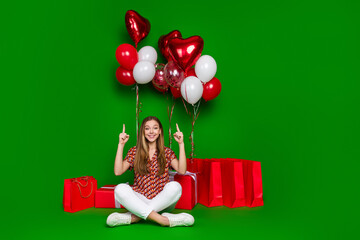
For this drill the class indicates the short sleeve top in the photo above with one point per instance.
(151, 184)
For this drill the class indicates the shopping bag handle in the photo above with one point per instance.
(79, 184)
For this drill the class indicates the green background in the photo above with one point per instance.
(289, 72)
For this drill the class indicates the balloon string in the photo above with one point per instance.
(187, 112)
(195, 115)
(138, 110)
(170, 113)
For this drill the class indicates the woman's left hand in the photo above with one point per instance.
(179, 137)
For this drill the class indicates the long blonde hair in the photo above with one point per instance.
(142, 149)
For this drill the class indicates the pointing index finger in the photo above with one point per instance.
(123, 128)
(177, 127)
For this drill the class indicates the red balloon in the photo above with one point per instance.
(159, 78)
(127, 56)
(191, 72)
(125, 76)
(159, 89)
(185, 52)
(137, 26)
(176, 92)
(211, 89)
(164, 41)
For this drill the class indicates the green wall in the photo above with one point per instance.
(289, 72)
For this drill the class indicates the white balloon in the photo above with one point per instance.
(144, 72)
(205, 68)
(191, 89)
(147, 53)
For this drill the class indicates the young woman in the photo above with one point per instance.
(152, 192)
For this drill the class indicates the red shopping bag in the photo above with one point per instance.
(79, 193)
(253, 183)
(194, 165)
(233, 183)
(210, 186)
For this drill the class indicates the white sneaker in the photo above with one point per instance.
(117, 219)
(181, 219)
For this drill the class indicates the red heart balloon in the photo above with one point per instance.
(186, 52)
(137, 26)
(164, 41)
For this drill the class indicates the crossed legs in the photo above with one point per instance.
(143, 208)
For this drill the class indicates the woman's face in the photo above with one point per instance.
(152, 130)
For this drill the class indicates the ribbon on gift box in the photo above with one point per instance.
(193, 175)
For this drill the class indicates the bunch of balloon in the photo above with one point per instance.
(201, 82)
(181, 55)
(194, 83)
(126, 54)
(171, 76)
(135, 67)
(144, 72)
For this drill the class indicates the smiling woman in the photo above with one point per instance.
(152, 192)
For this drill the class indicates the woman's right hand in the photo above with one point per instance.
(123, 137)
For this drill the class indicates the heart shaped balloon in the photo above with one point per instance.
(164, 41)
(137, 26)
(185, 52)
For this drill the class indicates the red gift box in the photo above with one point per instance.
(188, 184)
(253, 183)
(79, 193)
(210, 182)
(105, 197)
(233, 183)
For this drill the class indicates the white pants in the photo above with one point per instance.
(141, 206)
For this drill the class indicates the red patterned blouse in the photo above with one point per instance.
(151, 184)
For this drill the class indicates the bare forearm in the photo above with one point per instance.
(182, 159)
(180, 165)
(119, 160)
